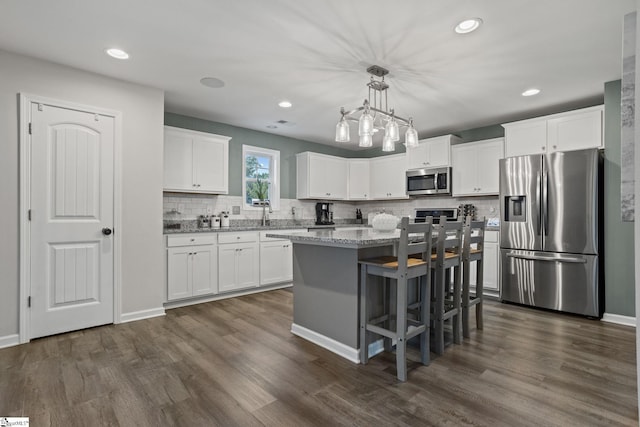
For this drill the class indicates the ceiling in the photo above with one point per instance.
(315, 53)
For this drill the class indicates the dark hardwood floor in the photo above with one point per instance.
(235, 363)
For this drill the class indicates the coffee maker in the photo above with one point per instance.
(324, 213)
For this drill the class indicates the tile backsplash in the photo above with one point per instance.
(179, 206)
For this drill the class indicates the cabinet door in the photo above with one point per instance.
(178, 164)
(227, 266)
(438, 154)
(575, 131)
(179, 280)
(464, 170)
(388, 174)
(526, 138)
(491, 266)
(488, 157)
(247, 266)
(210, 164)
(417, 157)
(276, 264)
(359, 179)
(204, 271)
(328, 177)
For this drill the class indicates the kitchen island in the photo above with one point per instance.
(325, 283)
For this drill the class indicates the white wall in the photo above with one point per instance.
(142, 111)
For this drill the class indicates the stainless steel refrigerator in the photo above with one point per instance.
(551, 233)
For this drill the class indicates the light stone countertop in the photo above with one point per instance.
(348, 238)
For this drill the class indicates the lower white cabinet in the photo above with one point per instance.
(491, 284)
(238, 261)
(276, 259)
(191, 266)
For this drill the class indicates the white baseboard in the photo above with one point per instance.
(142, 314)
(9, 340)
(199, 300)
(349, 353)
(619, 319)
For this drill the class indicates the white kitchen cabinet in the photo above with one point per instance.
(387, 177)
(191, 266)
(238, 261)
(572, 130)
(475, 168)
(320, 176)
(276, 259)
(359, 187)
(491, 259)
(195, 162)
(431, 152)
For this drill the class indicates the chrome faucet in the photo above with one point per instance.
(265, 216)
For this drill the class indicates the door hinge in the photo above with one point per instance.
(29, 214)
(29, 301)
(29, 128)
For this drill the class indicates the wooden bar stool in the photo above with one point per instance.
(396, 324)
(447, 293)
(473, 250)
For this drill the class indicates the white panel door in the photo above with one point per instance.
(248, 265)
(227, 266)
(71, 262)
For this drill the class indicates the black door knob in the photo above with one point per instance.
(106, 231)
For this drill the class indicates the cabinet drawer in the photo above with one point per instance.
(192, 240)
(491, 236)
(242, 237)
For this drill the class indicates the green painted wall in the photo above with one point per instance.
(618, 244)
(288, 148)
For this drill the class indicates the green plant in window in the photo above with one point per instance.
(259, 190)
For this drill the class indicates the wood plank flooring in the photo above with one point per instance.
(235, 363)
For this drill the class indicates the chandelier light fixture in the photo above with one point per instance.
(374, 116)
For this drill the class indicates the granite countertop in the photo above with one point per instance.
(192, 227)
(363, 237)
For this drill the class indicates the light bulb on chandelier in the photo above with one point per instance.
(375, 116)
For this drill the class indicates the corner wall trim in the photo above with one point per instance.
(619, 319)
(349, 353)
(142, 314)
(9, 340)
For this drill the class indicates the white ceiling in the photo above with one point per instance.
(314, 53)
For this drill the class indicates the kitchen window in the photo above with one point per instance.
(260, 177)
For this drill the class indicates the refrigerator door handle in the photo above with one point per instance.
(539, 200)
(560, 258)
(545, 200)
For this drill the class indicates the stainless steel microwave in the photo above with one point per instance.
(429, 181)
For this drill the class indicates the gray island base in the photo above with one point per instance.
(325, 284)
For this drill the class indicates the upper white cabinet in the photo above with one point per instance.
(359, 186)
(321, 177)
(195, 162)
(387, 177)
(573, 130)
(475, 167)
(431, 152)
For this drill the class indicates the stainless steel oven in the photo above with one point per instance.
(428, 181)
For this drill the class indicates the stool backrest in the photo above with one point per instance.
(473, 235)
(415, 238)
(449, 239)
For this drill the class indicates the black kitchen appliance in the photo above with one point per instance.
(420, 214)
(324, 213)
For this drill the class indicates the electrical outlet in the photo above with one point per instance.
(235, 210)
(209, 210)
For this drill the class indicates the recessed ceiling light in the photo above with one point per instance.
(212, 82)
(531, 92)
(285, 104)
(468, 25)
(117, 53)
